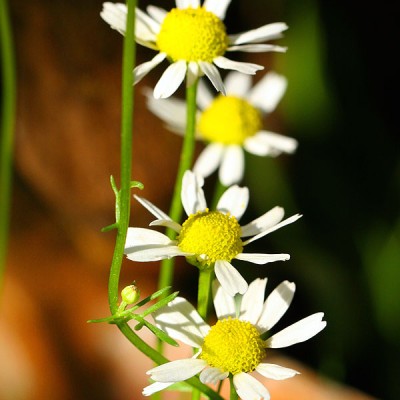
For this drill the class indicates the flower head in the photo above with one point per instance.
(209, 239)
(230, 123)
(237, 344)
(194, 39)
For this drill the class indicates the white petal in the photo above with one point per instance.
(167, 223)
(234, 200)
(260, 224)
(253, 301)
(257, 48)
(260, 258)
(151, 25)
(204, 96)
(177, 371)
(209, 159)
(192, 194)
(217, 7)
(244, 67)
(155, 387)
(157, 13)
(249, 388)
(276, 305)
(224, 304)
(193, 72)
(153, 253)
(285, 222)
(152, 208)
(232, 165)
(182, 322)
(237, 84)
(170, 80)
(143, 69)
(261, 34)
(273, 371)
(212, 375)
(213, 75)
(229, 278)
(139, 237)
(265, 143)
(298, 332)
(115, 15)
(268, 92)
(187, 3)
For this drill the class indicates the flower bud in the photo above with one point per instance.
(130, 294)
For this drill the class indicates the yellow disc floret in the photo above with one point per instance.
(211, 236)
(229, 120)
(192, 34)
(233, 346)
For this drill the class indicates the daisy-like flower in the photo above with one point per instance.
(194, 39)
(237, 344)
(230, 123)
(208, 239)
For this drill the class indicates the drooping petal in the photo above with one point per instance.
(277, 372)
(237, 84)
(177, 371)
(204, 96)
(192, 194)
(209, 159)
(260, 224)
(268, 92)
(212, 375)
(244, 67)
(217, 7)
(269, 143)
(193, 72)
(276, 305)
(224, 304)
(141, 237)
(258, 48)
(115, 15)
(253, 301)
(157, 13)
(143, 69)
(182, 322)
(249, 388)
(261, 258)
(234, 201)
(155, 253)
(232, 165)
(155, 387)
(229, 278)
(261, 34)
(183, 4)
(167, 223)
(152, 208)
(170, 80)
(213, 75)
(298, 332)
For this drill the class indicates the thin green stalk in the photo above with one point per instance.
(124, 197)
(233, 394)
(175, 212)
(203, 295)
(7, 129)
(218, 191)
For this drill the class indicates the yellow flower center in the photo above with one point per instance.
(233, 346)
(211, 236)
(192, 34)
(229, 120)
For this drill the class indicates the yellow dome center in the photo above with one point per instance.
(211, 236)
(233, 346)
(229, 120)
(192, 34)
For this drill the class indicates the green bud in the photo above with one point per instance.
(130, 294)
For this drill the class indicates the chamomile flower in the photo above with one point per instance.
(194, 39)
(230, 123)
(237, 344)
(208, 239)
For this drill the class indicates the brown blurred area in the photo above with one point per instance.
(67, 146)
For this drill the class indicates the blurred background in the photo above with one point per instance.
(341, 105)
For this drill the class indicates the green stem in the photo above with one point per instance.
(124, 198)
(233, 394)
(175, 212)
(203, 295)
(7, 129)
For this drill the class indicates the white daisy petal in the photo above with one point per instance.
(143, 69)
(258, 48)
(204, 96)
(260, 258)
(177, 371)
(213, 75)
(249, 388)
(265, 143)
(234, 201)
(152, 208)
(151, 25)
(167, 223)
(170, 80)
(298, 332)
(181, 321)
(244, 67)
(209, 159)
(139, 237)
(224, 304)
(193, 72)
(273, 228)
(260, 224)
(154, 253)
(157, 13)
(268, 92)
(237, 84)
(155, 387)
(232, 165)
(192, 194)
(183, 4)
(229, 278)
(277, 372)
(212, 375)
(253, 301)
(115, 15)
(261, 34)
(217, 7)
(276, 305)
